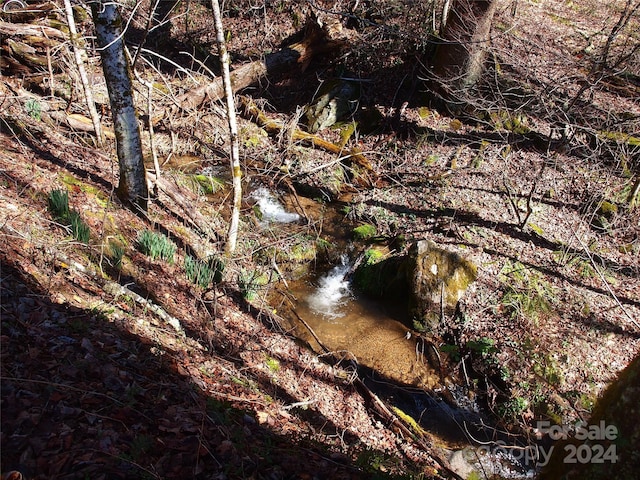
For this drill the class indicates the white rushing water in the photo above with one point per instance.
(271, 209)
(333, 292)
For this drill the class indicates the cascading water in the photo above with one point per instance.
(376, 336)
(333, 291)
(271, 209)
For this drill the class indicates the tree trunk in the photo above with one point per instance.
(236, 171)
(459, 60)
(132, 187)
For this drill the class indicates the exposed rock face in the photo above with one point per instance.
(437, 275)
(336, 100)
(423, 278)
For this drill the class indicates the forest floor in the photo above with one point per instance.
(97, 384)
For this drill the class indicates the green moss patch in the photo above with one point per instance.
(366, 231)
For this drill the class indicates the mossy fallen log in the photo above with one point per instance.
(30, 30)
(26, 54)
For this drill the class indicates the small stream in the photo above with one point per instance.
(398, 372)
(399, 367)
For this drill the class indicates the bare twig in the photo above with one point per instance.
(512, 202)
(604, 280)
(531, 192)
(145, 34)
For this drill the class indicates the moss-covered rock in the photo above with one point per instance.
(376, 275)
(365, 231)
(207, 184)
(336, 100)
(436, 275)
(417, 279)
(296, 258)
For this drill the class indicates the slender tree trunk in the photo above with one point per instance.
(79, 54)
(132, 187)
(459, 59)
(236, 171)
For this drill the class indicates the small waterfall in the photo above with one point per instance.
(333, 291)
(271, 209)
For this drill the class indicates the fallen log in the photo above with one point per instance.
(29, 12)
(30, 30)
(27, 48)
(26, 54)
(316, 41)
(79, 122)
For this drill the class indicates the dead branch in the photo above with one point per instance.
(116, 289)
(275, 127)
(79, 122)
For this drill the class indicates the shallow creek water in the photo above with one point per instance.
(370, 332)
(347, 323)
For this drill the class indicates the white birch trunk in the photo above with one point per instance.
(132, 187)
(236, 171)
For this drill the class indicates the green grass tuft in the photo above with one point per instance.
(79, 229)
(156, 246)
(203, 273)
(59, 207)
(116, 253)
(59, 204)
